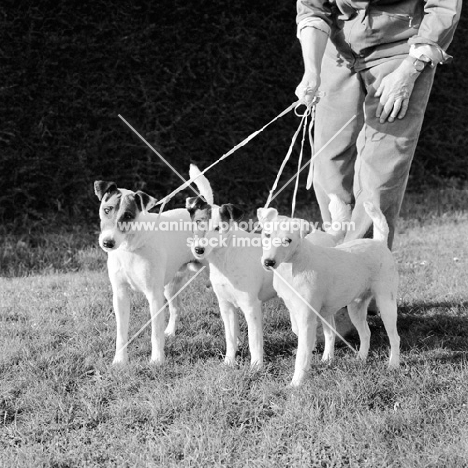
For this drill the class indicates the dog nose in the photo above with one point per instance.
(199, 250)
(108, 243)
(269, 262)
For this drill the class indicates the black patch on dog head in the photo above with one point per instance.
(144, 201)
(230, 212)
(101, 187)
(194, 204)
(128, 208)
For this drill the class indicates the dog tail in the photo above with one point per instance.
(202, 184)
(340, 214)
(378, 218)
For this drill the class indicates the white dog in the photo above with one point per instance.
(153, 260)
(236, 273)
(313, 277)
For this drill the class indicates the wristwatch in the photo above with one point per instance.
(420, 63)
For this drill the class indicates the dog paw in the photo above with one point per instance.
(295, 383)
(120, 361)
(170, 329)
(229, 361)
(256, 366)
(157, 361)
(361, 356)
(298, 379)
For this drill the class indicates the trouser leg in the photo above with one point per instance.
(335, 150)
(385, 151)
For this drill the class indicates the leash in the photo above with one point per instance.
(309, 111)
(164, 200)
(286, 159)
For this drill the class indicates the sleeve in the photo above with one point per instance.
(314, 9)
(434, 53)
(313, 22)
(438, 24)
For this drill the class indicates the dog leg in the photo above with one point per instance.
(307, 328)
(388, 313)
(293, 324)
(156, 304)
(358, 314)
(170, 290)
(121, 302)
(231, 330)
(329, 333)
(253, 316)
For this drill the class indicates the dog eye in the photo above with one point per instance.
(127, 216)
(287, 240)
(107, 210)
(216, 228)
(267, 235)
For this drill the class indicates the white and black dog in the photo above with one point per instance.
(147, 252)
(236, 272)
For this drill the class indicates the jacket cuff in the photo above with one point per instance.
(420, 45)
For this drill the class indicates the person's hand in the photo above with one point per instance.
(308, 87)
(395, 92)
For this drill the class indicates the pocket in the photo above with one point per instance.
(391, 27)
(378, 26)
(397, 16)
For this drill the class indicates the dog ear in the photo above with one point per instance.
(266, 214)
(101, 187)
(228, 212)
(195, 203)
(144, 201)
(191, 203)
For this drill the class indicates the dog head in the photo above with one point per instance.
(212, 224)
(280, 236)
(119, 209)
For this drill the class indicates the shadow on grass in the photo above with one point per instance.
(422, 328)
(427, 327)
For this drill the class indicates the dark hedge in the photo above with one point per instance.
(193, 77)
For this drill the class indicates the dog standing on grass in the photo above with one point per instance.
(153, 260)
(325, 280)
(236, 273)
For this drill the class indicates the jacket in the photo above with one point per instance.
(366, 31)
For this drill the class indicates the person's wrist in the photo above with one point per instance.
(413, 66)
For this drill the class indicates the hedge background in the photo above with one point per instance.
(193, 77)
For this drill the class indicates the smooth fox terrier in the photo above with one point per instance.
(329, 279)
(153, 260)
(236, 273)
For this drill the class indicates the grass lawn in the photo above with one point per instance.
(63, 405)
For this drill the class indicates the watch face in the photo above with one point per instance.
(419, 65)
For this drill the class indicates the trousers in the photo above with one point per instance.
(366, 160)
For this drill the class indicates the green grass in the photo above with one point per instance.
(63, 405)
